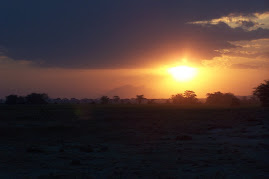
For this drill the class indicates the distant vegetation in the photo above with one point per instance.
(260, 95)
(262, 92)
(116, 99)
(188, 97)
(33, 98)
(219, 98)
(104, 99)
(140, 98)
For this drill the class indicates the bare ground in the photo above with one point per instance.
(134, 143)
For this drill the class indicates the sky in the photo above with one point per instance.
(86, 48)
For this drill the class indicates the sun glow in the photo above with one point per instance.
(183, 73)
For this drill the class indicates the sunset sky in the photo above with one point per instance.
(86, 49)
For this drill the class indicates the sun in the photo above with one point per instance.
(183, 73)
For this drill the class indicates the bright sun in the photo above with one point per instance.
(183, 73)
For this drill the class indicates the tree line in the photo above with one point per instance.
(33, 98)
(260, 93)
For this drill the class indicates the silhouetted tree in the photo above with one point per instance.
(37, 98)
(21, 100)
(262, 92)
(93, 102)
(11, 99)
(219, 98)
(104, 99)
(214, 98)
(140, 98)
(116, 99)
(190, 97)
(178, 98)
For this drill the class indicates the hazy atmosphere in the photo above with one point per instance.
(92, 48)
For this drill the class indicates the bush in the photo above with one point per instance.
(36, 98)
(11, 99)
(219, 98)
(188, 97)
(262, 92)
(104, 99)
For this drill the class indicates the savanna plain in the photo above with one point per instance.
(133, 141)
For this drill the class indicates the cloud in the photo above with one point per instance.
(237, 62)
(8, 63)
(247, 24)
(255, 49)
(125, 34)
(250, 21)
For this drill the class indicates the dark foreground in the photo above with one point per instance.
(147, 141)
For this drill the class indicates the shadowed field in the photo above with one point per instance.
(133, 141)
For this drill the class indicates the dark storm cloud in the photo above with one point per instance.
(118, 34)
(247, 23)
(224, 33)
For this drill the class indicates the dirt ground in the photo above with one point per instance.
(81, 141)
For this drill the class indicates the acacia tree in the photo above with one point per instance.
(116, 99)
(214, 98)
(262, 92)
(104, 99)
(140, 98)
(177, 98)
(190, 97)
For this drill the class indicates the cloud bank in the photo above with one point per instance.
(127, 34)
